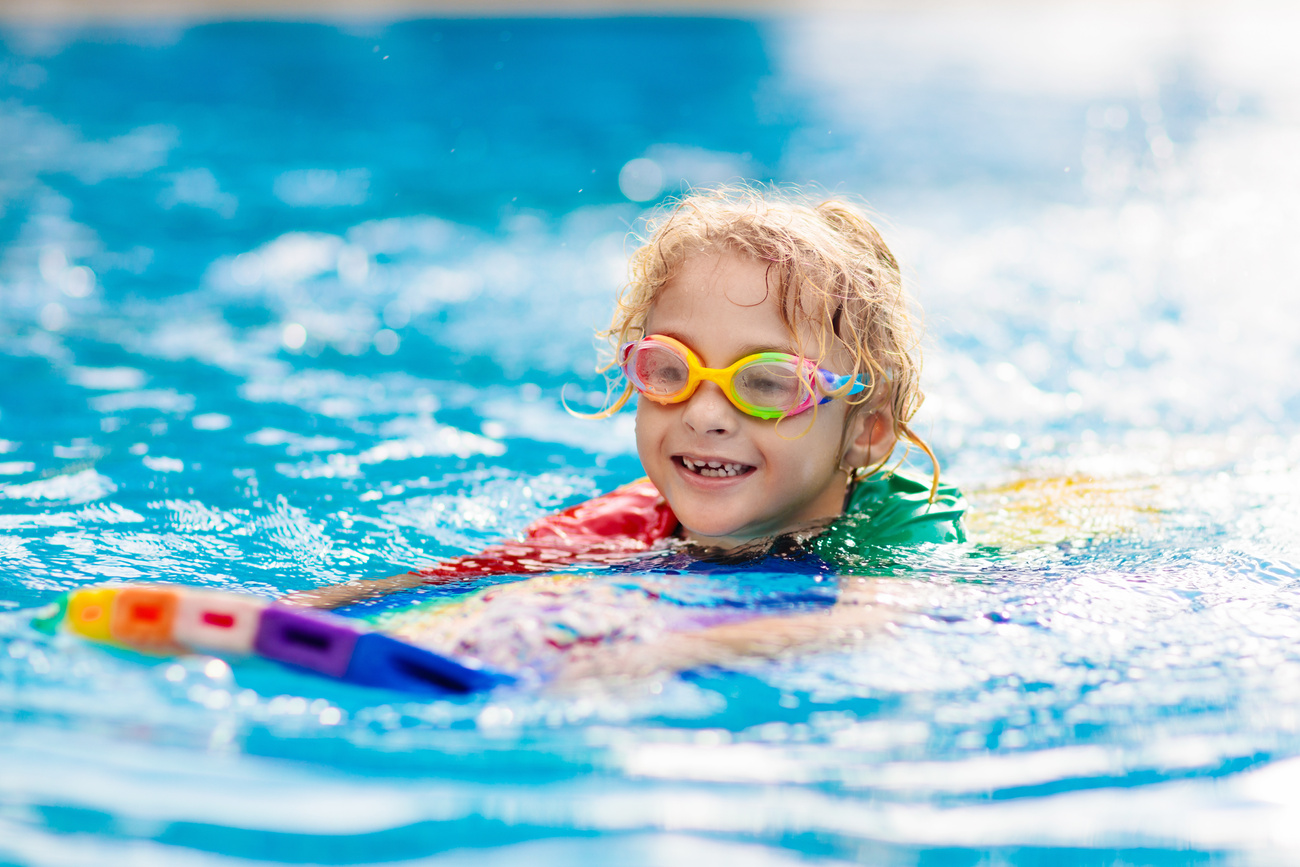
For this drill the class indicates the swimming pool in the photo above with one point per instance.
(284, 304)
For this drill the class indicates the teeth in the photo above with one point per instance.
(714, 469)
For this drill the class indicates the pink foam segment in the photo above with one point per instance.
(218, 622)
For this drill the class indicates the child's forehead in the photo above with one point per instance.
(720, 278)
(723, 298)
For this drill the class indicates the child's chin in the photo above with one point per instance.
(716, 533)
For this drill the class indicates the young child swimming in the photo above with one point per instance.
(770, 344)
(800, 312)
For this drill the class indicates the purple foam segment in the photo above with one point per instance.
(322, 644)
(386, 662)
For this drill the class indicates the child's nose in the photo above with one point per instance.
(709, 410)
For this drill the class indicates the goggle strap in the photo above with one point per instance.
(837, 381)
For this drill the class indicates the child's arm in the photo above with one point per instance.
(358, 589)
(864, 608)
(607, 529)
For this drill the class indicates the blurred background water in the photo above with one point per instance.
(283, 304)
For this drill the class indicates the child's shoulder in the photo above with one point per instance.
(895, 508)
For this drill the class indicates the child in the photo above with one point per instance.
(802, 310)
(771, 347)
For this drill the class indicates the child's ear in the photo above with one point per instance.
(869, 439)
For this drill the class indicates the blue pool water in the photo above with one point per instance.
(287, 304)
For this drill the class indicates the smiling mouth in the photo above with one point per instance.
(713, 469)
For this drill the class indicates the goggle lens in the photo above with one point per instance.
(656, 369)
(772, 386)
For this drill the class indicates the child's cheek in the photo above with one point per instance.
(647, 427)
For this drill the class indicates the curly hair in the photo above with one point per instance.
(833, 276)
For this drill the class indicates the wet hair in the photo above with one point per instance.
(831, 272)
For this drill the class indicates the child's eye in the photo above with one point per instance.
(768, 384)
(661, 372)
(667, 375)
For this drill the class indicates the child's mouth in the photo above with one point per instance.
(713, 469)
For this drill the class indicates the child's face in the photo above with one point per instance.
(719, 306)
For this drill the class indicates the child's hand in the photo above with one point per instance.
(857, 617)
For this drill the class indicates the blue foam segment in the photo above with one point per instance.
(383, 661)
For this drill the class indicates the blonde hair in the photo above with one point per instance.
(831, 269)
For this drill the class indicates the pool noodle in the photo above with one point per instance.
(168, 619)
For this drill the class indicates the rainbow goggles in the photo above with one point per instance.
(157, 618)
(766, 384)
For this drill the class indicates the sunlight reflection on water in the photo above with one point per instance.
(234, 367)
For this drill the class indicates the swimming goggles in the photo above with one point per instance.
(766, 384)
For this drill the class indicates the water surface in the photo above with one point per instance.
(286, 304)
